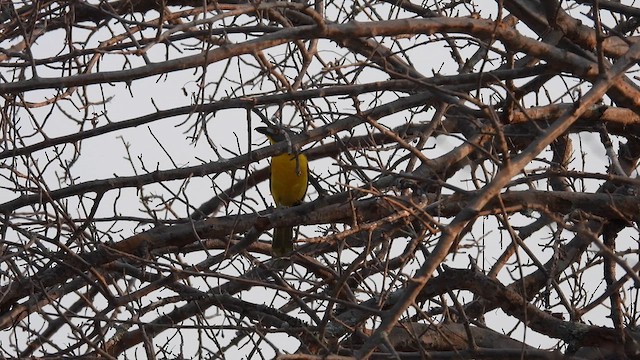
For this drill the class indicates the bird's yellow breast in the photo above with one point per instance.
(289, 176)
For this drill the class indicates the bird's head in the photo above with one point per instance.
(275, 134)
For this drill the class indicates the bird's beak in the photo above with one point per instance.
(265, 131)
(269, 132)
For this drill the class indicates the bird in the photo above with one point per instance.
(288, 181)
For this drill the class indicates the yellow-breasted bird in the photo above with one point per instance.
(289, 180)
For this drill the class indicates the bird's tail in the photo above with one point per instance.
(282, 241)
